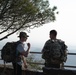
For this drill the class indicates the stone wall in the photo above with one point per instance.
(9, 71)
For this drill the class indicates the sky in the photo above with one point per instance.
(64, 24)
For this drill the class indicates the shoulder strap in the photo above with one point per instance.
(17, 43)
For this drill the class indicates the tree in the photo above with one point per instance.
(33, 62)
(17, 15)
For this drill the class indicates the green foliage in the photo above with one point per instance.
(32, 63)
(18, 15)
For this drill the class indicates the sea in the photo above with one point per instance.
(71, 59)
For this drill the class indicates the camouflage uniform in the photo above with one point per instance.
(46, 53)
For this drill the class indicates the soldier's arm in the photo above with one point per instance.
(24, 61)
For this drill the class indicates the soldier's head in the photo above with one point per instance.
(23, 36)
(53, 34)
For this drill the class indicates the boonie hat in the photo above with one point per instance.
(23, 34)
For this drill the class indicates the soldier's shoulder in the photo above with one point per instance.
(48, 41)
(60, 40)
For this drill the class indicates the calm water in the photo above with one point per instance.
(71, 59)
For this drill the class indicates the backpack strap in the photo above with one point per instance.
(17, 53)
(17, 43)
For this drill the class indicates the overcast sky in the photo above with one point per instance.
(64, 24)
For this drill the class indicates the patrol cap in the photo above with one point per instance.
(23, 34)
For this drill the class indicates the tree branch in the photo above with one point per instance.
(12, 32)
(3, 10)
(8, 26)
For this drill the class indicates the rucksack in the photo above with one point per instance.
(8, 52)
(54, 51)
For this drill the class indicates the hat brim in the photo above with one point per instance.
(23, 36)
